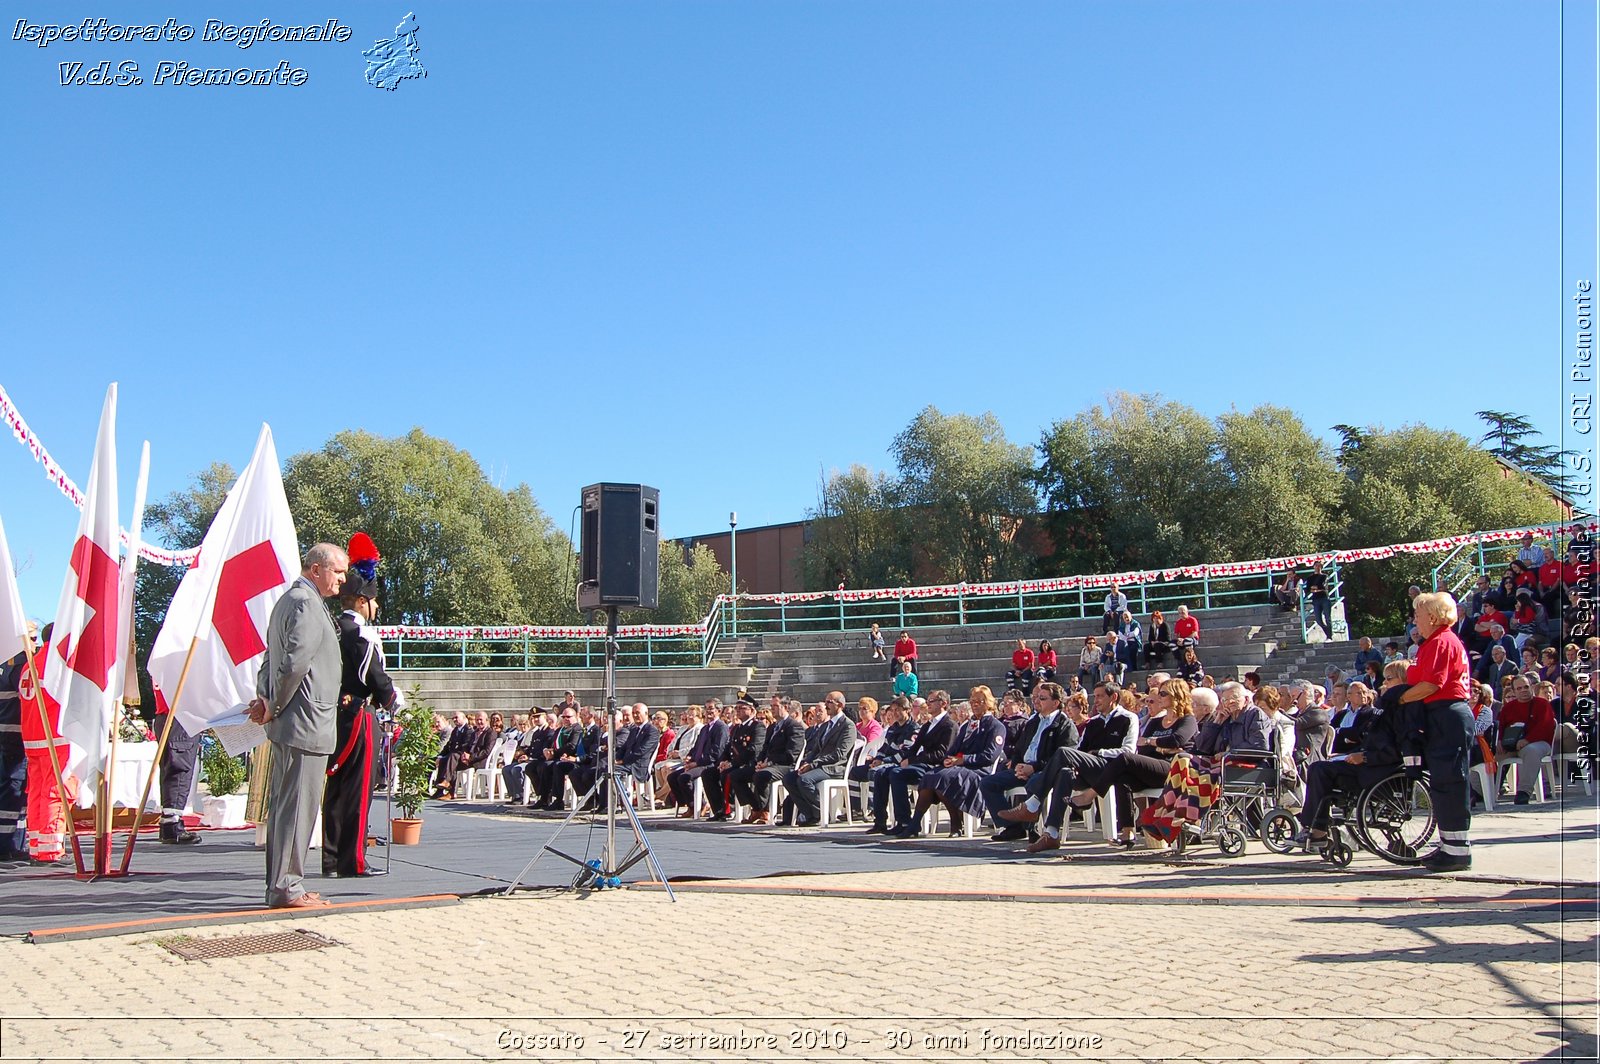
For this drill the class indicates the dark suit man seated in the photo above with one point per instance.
(530, 748)
(457, 742)
(636, 748)
(469, 752)
(1035, 745)
(826, 756)
(558, 761)
(593, 766)
(745, 740)
(783, 749)
(925, 754)
(708, 750)
(1112, 732)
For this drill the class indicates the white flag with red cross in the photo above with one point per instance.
(80, 670)
(247, 560)
(13, 622)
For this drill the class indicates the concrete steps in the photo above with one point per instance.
(514, 690)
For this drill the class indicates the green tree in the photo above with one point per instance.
(1134, 484)
(456, 548)
(859, 532)
(1282, 484)
(967, 489)
(1419, 483)
(178, 522)
(1509, 437)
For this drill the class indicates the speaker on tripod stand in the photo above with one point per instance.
(619, 559)
(619, 567)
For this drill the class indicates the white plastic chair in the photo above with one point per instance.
(1555, 772)
(1486, 786)
(831, 788)
(493, 778)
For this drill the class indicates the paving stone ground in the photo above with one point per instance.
(1095, 957)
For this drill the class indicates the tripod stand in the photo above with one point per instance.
(606, 871)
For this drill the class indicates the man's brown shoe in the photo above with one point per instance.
(1018, 814)
(762, 817)
(304, 901)
(1045, 842)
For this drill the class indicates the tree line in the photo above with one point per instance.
(457, 549)
(1142, 482)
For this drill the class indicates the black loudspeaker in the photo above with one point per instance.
(619, 555)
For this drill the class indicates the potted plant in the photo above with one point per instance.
(416, 756)
(224, 775)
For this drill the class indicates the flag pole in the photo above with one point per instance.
(55, 761)
(161, 749)
(103, 844)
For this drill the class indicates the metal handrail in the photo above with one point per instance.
(1466, 573)
(913, 609)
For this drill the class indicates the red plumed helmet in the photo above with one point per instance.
(362, 549)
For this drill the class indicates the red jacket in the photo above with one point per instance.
(1536, 713)
(1022, 659)
(905, 648)
(1047, 659)
(1186, 627)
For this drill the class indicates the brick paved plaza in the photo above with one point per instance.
(1101, 956)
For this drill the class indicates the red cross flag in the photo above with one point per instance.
(247, 560)
(78, 674)
(13, 622)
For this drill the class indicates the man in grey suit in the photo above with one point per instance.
(298, 690)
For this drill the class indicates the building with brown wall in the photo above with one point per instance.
(769, 555)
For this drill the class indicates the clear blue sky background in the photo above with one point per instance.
(722, 247)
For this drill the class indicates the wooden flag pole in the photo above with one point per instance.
(161, 749)
(55, 761)
(127, 666)
(105, 810)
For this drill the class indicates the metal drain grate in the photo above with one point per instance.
(211, 949)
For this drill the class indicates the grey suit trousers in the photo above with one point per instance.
(294, 798)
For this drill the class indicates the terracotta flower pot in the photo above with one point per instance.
(405, 832)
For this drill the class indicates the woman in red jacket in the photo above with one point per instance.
(1527, 731)
(1438, 679)
(1044, 662)
(905, 649)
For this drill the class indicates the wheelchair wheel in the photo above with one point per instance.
(1230, 841)
(1340, 855)
(1394, 819)
(1278, 831)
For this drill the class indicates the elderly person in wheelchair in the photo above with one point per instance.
(1362, 757)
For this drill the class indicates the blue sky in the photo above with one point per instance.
(723, 247)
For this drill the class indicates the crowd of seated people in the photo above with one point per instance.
(1044, 752)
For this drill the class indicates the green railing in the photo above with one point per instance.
(912, 609)
(1335, 596)
(1461, 567)
(523, 652)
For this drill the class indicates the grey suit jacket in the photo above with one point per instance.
(300, 677)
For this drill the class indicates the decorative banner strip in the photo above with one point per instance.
(515, 631)
(1150, 576)
(64, 483)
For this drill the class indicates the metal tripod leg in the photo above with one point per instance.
(550, 845)
(641, 847)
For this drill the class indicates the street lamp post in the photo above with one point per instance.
(733, 569)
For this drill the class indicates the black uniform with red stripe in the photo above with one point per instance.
(349, 792)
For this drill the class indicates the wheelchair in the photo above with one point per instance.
(1392, 818)
(1248, 804)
